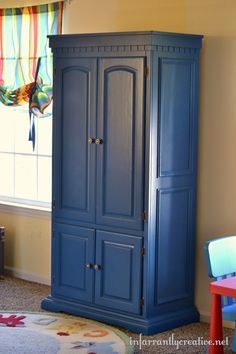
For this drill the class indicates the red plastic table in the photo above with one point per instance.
(225, 287)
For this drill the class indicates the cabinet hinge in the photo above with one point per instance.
(53, 203)
(143, 251)
(142, 301)
(145, 216)
(146, 71)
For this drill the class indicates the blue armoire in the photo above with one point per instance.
(124, 178)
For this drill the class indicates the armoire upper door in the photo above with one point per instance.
(120, 150)
(74, 123)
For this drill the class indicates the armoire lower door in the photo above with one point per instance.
(73, 252)
(118, 275)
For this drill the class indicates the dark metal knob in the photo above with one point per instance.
(89, 265)
(91, 140)
(97, 267)
(98, 141)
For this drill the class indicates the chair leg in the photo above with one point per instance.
(234, 339)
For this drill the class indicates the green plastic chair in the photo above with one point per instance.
(220, 257)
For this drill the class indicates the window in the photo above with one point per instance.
(25, 168)
(25, 174)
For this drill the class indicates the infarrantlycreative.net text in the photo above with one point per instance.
(177, 343)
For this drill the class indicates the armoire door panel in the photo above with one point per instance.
(73, 250)
(120, 156)
(118, 281)
(75, 123)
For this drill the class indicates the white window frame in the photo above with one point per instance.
(14, 202)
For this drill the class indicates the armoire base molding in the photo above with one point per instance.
(135, 324)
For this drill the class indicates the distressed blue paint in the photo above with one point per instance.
(147, 161)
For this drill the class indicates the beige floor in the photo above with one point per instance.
(19, 295)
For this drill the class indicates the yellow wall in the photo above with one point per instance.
(27, 245)
(217, 123)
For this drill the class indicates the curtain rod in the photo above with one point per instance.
(6, 4)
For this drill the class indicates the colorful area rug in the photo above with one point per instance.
(43, 333)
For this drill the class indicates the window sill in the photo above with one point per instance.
(25, 210)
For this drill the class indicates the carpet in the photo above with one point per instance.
(43, 333)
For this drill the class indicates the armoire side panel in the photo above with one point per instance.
(172, 245)
(120, 156)
(75, 123)
(175, 180)
(176, 117)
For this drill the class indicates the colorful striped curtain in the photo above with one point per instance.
(23, 45)
(23, 3)
(23, 39)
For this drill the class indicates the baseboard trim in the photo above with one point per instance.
(205, 317)
(35, 278)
